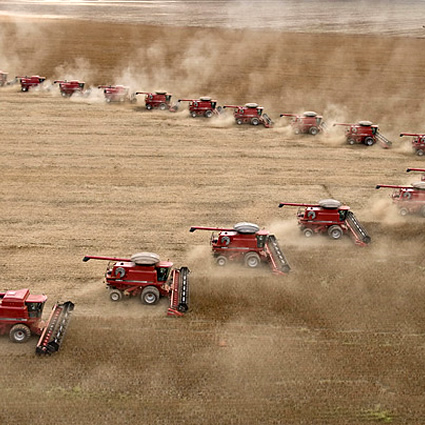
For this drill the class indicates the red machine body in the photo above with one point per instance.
(204, 106)
(21, 316)
(117, 93)
(159, 100)
(3, 78)
(248, 244)
(68, 88)
(250, 113)
(329, 217)
(418, 142)
(29, 82)
(364, 132)
(420, 170)
(408, 199)
(144, 276)
(307, 123)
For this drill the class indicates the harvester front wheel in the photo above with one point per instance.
(255, 121)
(20, 333)
(115, 295)
(208, 113)
(335, 232)
(252, 260)
(313, 131)
(369, 141)
(221, 260)
(150, 295)
(162, 106)
(308, 233)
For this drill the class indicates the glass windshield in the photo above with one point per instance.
(162, 274)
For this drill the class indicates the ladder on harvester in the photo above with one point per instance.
(324, 126)
(359, 233)
(383, 140)
(277, 258)
(268, 120)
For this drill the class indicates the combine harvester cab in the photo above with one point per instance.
(408, 199)
(246, 243)
(418, 142)
(21, 316)
(307, 123)
(30, 82)
(329, 217)
(68, 88)
(365, 132)
(420, 170)
(3, 78)
(159, 100)
(117, 94)
(202, 107)
(250, 113)
(145, 276)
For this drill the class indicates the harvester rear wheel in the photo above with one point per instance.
(403, 212)
(193, 114)
(162, 106)
(252, 260)
(148, 106)
(221, 260)
(335, 232)
(150, 295)
(420, 152)
(20, 333)
(422, 211)
(239, 121)
(115, 295)
(308, 233)
(369, 141)
(313, 131)
(351, 141)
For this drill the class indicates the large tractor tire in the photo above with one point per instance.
(335, 232)
(150, 295)
(369, 141)
(19, 333)
(252, 260)
(313, 131)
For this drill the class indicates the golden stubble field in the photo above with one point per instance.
(340, 340)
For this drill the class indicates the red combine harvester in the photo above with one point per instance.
(117, 93)
(3, 78)
(204, 106)
(365, 132)
(418, 142)
(420, 170)
(159, 100)
(330, 217)
(409, 199)
(29, 82)
(68, 88)
(248, 244)
(250, 113)
(146, 276)
(307, 123)
(20, 316)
